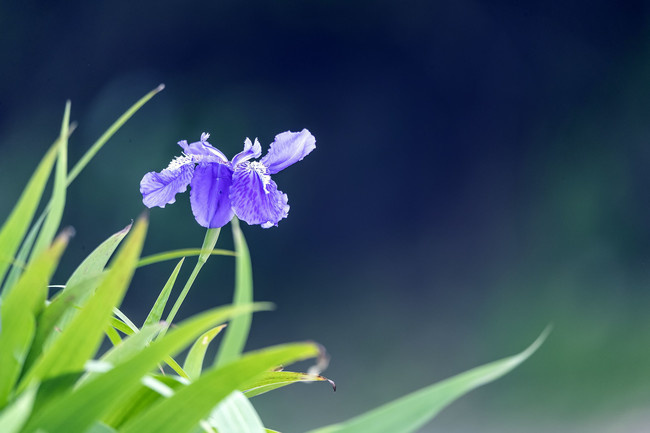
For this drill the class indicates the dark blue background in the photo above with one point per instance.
(480, 171)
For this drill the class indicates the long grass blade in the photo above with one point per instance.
(159, 306)
(177, 254)
(194, 360)
(85, 159)
(236, 334)
(17, 224)
(236, 414)
(412, 411)
(57, 202)
(271, 380)
(14, 416)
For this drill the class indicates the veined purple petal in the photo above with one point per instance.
(202, 148)
(255, 197)
(250, 151)
(160, 189)
(209, 194)
(288, 148)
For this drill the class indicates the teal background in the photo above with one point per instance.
(481, 171)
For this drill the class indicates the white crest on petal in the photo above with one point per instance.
(262, 172)
(180, 161)
(205, 136)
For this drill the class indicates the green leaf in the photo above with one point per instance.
(159, 306)
(412, 411)
(18, 314)
(49, 323)
(57, 202)
(96, 261)
(85, 159)
(21, 258)
(126, 349)
(236, 335)
(121, 326)
(271, 380)
(81, 339)
(125, 319)
(99, 397)
(14, 416)
(184, 410)
(99, 427)
(14, 229)
(176, 254)
(194, 360)
(235, 414)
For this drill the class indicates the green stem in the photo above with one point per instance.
(209, 242)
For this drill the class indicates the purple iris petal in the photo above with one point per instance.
(202, 148)
(209, 194)
(255, 197)
(288, 148)
(250, 151)
(159, 189)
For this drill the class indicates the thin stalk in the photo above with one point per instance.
(209, 242)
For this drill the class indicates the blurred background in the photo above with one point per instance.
(481, 171)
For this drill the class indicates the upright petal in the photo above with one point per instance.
(250, 151)
(209, 194)
(160, 189)
(255, 197)
(288, 148)
(202, 148)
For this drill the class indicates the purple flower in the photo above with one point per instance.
(222, 188)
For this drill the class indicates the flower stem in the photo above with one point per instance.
(209, 242)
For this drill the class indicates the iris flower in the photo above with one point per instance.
(222, 188)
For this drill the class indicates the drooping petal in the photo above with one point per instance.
(288, 148)
(209, 194)
(250, 151)
(160, 189)
(255, 197)
(202, 148)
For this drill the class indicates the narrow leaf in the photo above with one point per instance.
(412, 411)
(125, 350)
(96, 261)
(14, 416)
(57, 202)
(236, 414)
(159, 306)
(14, 229)
(99, 427)
(271, 380)
(23, 253)
(51, 320)
(88, 156)
(236, 335)
(176, 254)
(194, 361)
